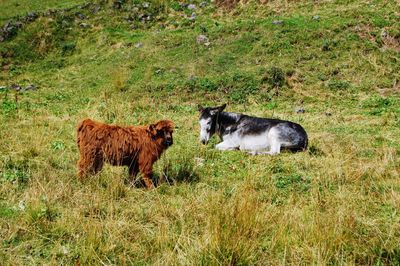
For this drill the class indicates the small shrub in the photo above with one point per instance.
(207, 85)
(67, 48)
(57, 145)
(294, 182)
(15, 172)
(41, 212)
(328, 45)
(379, 105)
(239, 86)
(275, 77)
(335, 84)
(8, 106)
(120, 80)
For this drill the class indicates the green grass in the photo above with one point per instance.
(12, 8)
(333, 204)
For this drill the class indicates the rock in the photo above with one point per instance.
(31, 16)
(16, 87)
(21, 205)
(202, 39)
(277, 22)
(144, 17)
(328, 113)
(192, 17)
(384, 34)
(18, 24)
(145, 5)
(316, 17)
(138, 45)
(203, 4)
(158, 71)
(191, 6)
(80, 15)
(64, 250)
(300, 110)
(30, 87)
(84, 25)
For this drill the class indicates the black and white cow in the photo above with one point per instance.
(252, 134)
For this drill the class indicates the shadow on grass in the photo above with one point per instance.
(172, 173)
(182, 171)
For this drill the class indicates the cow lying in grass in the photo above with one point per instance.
(137, 147)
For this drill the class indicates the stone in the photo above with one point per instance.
(64, 250)
(145, 5)
(316, 17)
(30, 87)
(203, 4)
(31, 16)
(300, 110)
(191, 6)
(192, 17)
(16, 87)
(84, 25)
(80, 16)
(202, 39)
(277, 22)
(138, 45)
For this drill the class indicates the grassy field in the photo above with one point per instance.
(337, 203)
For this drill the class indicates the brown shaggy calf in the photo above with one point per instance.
(137, 147)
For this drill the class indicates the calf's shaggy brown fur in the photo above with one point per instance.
(137, 147)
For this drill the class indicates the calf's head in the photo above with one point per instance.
(208, 121)
(162, 132)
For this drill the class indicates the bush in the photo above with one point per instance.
(275, 77)
(335, 84)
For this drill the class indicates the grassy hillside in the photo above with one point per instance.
(136, 63)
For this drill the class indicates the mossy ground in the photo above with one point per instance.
(336, 203)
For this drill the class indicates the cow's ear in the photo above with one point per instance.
(200, 108)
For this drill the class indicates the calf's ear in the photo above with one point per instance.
(152, 129)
